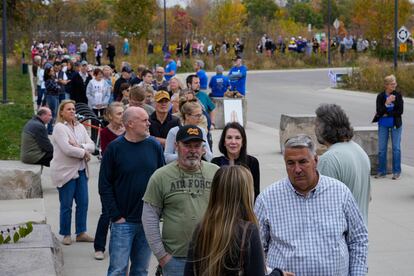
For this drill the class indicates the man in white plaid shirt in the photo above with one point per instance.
(310, 223)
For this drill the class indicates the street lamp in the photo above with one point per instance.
(395, 32)
(329, 32)
(165, 48)
(4, 45)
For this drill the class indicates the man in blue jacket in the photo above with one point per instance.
(237, 76)
(219, 83)
(128, 163)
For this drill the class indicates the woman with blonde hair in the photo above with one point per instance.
(389, 108)
(192, 114)
(175, 86)
(69, 170)
(227, 240)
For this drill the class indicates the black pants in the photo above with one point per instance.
(83, 56)
(98, 60)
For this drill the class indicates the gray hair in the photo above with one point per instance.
(200, 63)
(219, 69)
(300, 141)
(332, 124)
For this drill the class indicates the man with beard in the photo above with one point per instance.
(179, 193)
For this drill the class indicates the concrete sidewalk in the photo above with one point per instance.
(391, 215)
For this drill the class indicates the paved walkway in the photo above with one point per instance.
(391, 214)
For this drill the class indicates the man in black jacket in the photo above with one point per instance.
(79, 83)
(110, 49)
(35, 146)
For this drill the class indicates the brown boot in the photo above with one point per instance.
(83, 237)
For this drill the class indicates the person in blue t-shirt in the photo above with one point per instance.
(389, 110)
(219, 83)
(170, 68)
(237, 76)
(198, 67)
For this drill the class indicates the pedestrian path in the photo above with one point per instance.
(391, 214)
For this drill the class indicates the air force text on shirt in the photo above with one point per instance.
(190, 185)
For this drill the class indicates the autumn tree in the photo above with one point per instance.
(260, 13)
(133, 18)
(302, 12)
(375, 18)
(226, 19)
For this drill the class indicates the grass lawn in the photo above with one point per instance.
(14, 116)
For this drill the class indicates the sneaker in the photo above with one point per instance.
(99, 255)
(83, 237)
(396, 176)
(379, 175)
(67, 240)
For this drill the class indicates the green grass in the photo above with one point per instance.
(14, 115)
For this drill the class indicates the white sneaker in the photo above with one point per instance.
(99, 255)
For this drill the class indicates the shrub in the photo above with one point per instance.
(369, 76)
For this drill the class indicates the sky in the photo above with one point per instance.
(171, 3)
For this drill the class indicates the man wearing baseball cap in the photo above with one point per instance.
(179, 192)
(161, 120)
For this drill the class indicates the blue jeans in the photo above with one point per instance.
(41, 95)
(53, 104)
(128, 242)
(175, 267)
(383, 134)
(76, 189)
(101, 231)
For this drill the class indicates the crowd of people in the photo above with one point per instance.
(313, 45)
(158, 165)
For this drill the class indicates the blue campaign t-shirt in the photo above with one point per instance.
(171, 66)
(219, 85)
(237, 76)
(387, 121)
(203, 78)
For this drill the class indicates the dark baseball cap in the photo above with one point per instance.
(126, 69)
(189, 133)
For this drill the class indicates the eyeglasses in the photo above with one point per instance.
(160, 72)
(197, 116)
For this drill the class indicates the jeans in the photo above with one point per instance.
(41, 96)
(383, 134)
(53, 104)
(75, 189)
(101, 231)
(128, 242)
(175, 267)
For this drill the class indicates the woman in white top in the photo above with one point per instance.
(98, 93)
(69, 170)
(192, 114)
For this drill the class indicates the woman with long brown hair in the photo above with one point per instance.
(227, 241)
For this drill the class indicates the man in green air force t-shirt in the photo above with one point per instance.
(179, 193)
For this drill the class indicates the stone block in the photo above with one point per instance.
(39, 253)
(19, 180)
(294, 124)
(19, 211)
(220, 122)
(367, 138)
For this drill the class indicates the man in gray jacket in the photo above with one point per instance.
(36, 147)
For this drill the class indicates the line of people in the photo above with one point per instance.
(305, 223)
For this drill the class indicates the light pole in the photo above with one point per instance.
(165, 48)
(395, 32)
(329, 32)
(4, 45)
